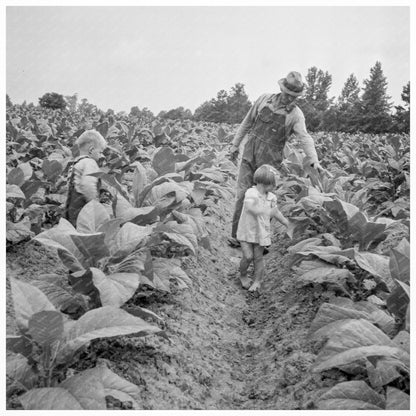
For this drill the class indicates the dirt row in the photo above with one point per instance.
(228, 349)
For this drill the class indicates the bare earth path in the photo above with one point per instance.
(229, 349)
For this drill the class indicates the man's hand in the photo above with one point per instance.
(233, 155)
(321, 170)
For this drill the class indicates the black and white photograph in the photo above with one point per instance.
(207, 206)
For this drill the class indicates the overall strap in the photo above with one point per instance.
(71, 184)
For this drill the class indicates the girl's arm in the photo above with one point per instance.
(275, 213)
(253, 207)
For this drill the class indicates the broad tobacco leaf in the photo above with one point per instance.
(308, 265)
(139, 262)
(351, 395)
(141, 312)
(27, 301)
(29, 188)
(45, 327)
(298, 225)
(345, 358)
(333, 277)
(110, 384)
(104, 322)
(377, 265)
(18, 231)
(398, 301)
(87, 388)
(140, 216)
(353, 340)
(112, 181)
(59, 238)
(115, 289)
(351, 333)
(383, 370)
(16, 177)
(212, 174)
(162, 192)
(397, 399)
(400, 262)
(167, 177)
(91, 246)
(52, 169)
(169, 269)
(19, 370)
(164, 161)
(14, 191)
(313, 202)
(19, 344)
(181, 234)
(365, 231)
(377, 316)
(402, 340)
(129, 237)
(110, 229)
(341, 211)
(59, 293)
(139, 181)
(309, 243)
(49, 398)
(91, 217)
(329, 313)
(194, 218)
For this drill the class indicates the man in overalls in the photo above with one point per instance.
(270, 121)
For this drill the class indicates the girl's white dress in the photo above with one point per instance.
(256, 228)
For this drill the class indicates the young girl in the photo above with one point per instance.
(254, 225)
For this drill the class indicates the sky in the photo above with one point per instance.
(170, 56)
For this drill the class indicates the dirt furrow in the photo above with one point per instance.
(228, 349)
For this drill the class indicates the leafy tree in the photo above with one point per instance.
(203, 112)
(72, 102)
(142, 117)
(402, 116)
(214, 110)
(349, 106)
(176, 114)
(350, 92)
(237, 104)
(87, 108)
(375, 114)
(226, 107)
(135, 111)
(316, 101)
(8, 101)
(52, 100)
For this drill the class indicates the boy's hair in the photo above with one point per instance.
(265, 175)
(91, 137)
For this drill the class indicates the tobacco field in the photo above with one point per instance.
(140, 307)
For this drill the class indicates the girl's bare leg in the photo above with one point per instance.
(247, 249)
(258, 267)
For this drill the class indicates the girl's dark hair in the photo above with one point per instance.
(265, 175)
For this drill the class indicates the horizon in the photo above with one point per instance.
(163, 58)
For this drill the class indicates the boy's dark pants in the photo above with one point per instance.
(75, 202)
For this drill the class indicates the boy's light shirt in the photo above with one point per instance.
(295, 123)
(256, 228)
(86, 185)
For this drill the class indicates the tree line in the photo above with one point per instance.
(364, 109)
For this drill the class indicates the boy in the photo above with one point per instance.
(81, 187)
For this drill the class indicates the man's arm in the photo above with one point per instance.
(247, 123)
(305, 139)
